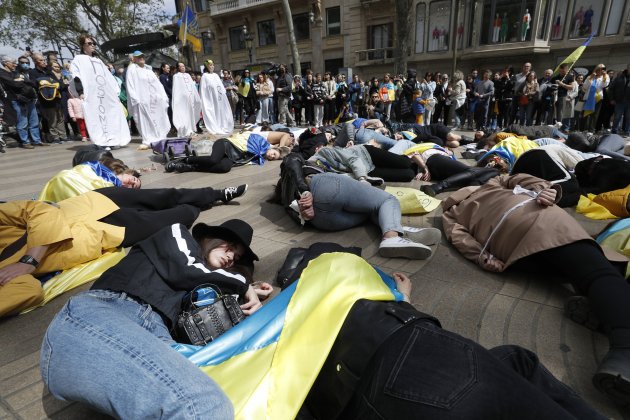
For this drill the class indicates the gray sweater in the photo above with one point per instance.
(354, 160)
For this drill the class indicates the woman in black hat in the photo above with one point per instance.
(110, 347)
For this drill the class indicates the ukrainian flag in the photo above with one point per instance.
(575, 55)
(268, 363)
(189, 29)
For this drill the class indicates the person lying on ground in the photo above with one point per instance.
(39, 237)
(392, 350)
(532, 132)
(430, 133)
(512, 221)
(120, 330)
(88, 176)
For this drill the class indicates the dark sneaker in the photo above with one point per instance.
(26, 146)
(178, 165)
(613, 375)
(230, 193)
(41, 144)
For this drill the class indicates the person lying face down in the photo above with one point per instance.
(135, 305)
(522, 227)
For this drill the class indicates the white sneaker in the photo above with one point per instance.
(425, 236)
(399, 247)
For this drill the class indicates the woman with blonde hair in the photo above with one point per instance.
(458, 97)
(593, 89)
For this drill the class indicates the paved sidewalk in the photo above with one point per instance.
(489, 308)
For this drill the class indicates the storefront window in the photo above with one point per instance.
(559, 19)
(420, 17)
(460, 31)
(543, 28)
(507, 21)
(439, 22)
(585, 19)
(615, 16)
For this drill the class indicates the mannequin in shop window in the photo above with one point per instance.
(527, 18)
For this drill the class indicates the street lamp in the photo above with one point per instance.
(249, 40)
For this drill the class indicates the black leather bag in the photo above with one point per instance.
(201, 325)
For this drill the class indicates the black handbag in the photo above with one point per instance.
(201, 325)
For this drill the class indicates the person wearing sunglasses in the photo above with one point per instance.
(91, 80)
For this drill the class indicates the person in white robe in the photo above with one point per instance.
(147, 102)
(104, 113)
(217, 113)
(186, 103)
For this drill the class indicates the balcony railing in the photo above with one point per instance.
(375, 54)
(228, 6)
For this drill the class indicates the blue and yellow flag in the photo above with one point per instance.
(575, 55)
(268, 363)
(189, 29)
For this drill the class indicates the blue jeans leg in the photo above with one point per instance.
(33, 123)
(341, 202)
(401, 145)
(364, 135)
(108, 351)
(22, 121)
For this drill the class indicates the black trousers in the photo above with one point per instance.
(441, 167)
(143, 212)
(217, 162)
(389, 166)
(583, 263)
(425, 372)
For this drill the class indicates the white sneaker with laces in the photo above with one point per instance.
(425, 236)
(399, 247)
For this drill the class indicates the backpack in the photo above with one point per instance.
(291, 184)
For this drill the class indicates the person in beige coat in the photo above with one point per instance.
(512, 220)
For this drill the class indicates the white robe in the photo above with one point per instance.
(217, 113)
(186, 104)
(147, 103)
(104, 113)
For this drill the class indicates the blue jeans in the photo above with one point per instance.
(341, 202)
(109, 351)
(364, 135)
(27, 121)
(401, 145)
(622, 109)
(425, 372)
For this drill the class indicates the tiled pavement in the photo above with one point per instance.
(492, 309)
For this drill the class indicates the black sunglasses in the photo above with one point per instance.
(90, 43)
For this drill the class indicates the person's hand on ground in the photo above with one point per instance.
(252, 303)
(426, 176)
(546, 197)
(491, 263)
(14, 270)
(403, 284)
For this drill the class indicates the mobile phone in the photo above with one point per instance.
(28, 48)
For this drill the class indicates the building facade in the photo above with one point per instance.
(360, 34)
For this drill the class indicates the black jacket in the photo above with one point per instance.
(284, 82)
(620, 88)
(164, 267)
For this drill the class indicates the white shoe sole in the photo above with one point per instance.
(421, 252)
(426, 236)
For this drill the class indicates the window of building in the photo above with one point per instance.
(333, 65)
(305, 65)
(559, 19)
(301, 27)
(206, 43)
(333, 20)
(201, 5)
(237, 41)
(585, 18)
(379, 38)
(464, 28)
(507, 21)
(439, 24)
(421, 11)
(543, 28)
(266, 32)
(615, 16)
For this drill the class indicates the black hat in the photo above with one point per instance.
(234, 230)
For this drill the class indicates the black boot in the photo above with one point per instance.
(461, 179)
(179, 165)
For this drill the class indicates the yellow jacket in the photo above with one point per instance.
(71, 228)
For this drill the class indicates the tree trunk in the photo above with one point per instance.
(404, 14)
(297, 68)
